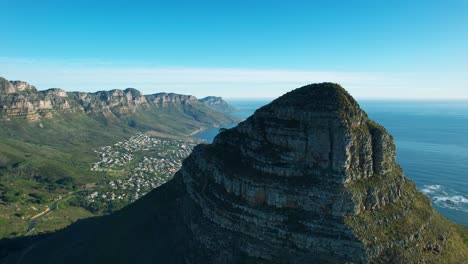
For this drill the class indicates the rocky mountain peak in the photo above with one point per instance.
(21, 86)
(134, 92)
(164, 99)
(330, 97)
(305, 178)
(321, 124)
(19, 100)
(55, 92)
(10, 87)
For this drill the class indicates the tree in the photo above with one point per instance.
(132, 123)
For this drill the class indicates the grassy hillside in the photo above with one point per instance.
(178, 119)
(40, 162)
(46, 160)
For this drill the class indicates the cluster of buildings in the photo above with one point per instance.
(121, 153)
(143, 163)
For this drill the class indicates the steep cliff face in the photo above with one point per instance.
(166, 112)
(306, 179)
(218, 104)
(21, 100)
(166, 99)
(282, 182)
(118, 102)
(310, 177)
(9, 87)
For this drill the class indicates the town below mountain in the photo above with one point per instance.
(65, 156)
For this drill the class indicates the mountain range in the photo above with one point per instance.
(308, 178)
(19, 99)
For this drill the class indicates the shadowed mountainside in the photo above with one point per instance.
(306, 179)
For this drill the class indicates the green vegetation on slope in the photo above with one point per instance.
(408, 230)
(44, 160)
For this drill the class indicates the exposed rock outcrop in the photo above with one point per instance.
(165, 99)
(279, 181)
(117, 101)
(306, 179)
(9, 87)
(20, 100)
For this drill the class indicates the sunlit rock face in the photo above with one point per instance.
(113, 102)
(9, 87)
(165, 99)
(278, 182)
(19, 99)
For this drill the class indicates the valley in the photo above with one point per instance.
(127, 170)
(66, 156)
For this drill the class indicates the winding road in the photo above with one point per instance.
(54, 206)
(35, 219)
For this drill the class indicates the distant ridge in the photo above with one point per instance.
(218, 103)
(21, 100)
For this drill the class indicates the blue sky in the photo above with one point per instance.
(375, 49)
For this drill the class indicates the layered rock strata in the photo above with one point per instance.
(19, 99)
(308, 178)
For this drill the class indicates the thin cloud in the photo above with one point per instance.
(93, 75)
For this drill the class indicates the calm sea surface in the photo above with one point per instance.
(432, 146)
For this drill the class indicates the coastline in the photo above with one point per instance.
(199, 130)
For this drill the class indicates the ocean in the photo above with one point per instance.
(432, 146)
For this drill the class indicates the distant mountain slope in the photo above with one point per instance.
(308, 178)
(218, 103)
(48, 138)
(163, 112)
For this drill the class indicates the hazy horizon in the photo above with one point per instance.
(228, 98)
(216, 93)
